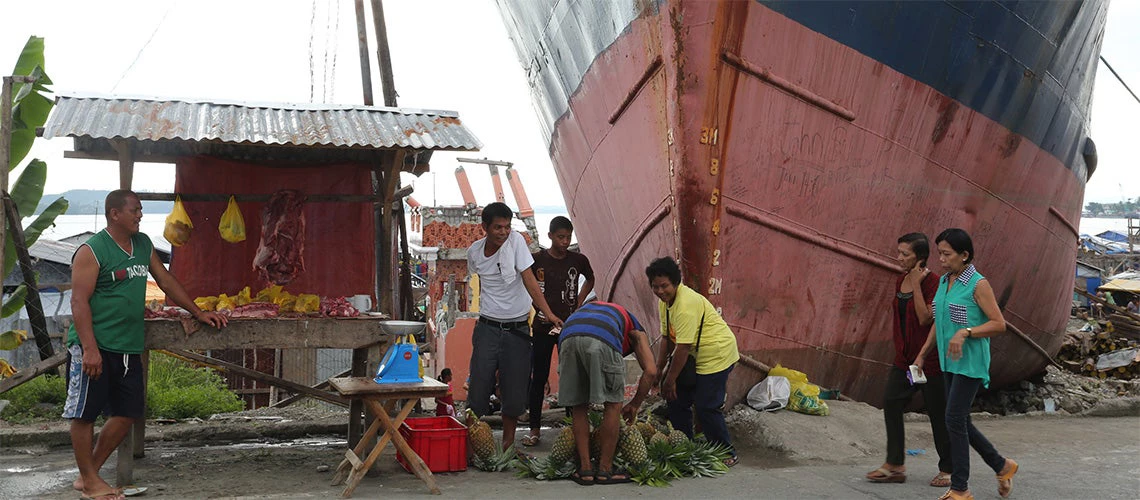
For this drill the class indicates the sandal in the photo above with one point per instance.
(731, 461)
(1005, 478)
(957, 495)
(882, 475)
(603, 477)
(531, 440)
(584, 477)
(942, 480)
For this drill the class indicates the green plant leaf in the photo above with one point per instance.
(33, 231)
(30, 57)
(29, 188)
(14, 302)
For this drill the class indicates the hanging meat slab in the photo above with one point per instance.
(280, 255)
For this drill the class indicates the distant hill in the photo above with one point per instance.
(90, 201)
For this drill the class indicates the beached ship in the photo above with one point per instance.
(780, 148)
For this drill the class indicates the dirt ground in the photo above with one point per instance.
(784, 455)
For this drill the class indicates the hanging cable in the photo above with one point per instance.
(312, 67)
(143, 48)
(335, 44)
(1118, 78)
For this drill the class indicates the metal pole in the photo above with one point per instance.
(362, 41)
(382, 54)
(5, 152)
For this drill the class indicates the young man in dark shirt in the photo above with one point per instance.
(557, 271)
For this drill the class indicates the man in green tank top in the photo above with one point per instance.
(106, 338)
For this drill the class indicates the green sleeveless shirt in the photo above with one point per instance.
(120, 294)
(954, 310)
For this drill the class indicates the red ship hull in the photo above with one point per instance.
(780, 166)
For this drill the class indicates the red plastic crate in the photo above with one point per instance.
(440, 441)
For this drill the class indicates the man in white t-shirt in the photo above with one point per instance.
(501, 341)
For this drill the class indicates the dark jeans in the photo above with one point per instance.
(505, 353)
(895, 398)
(544, 345)
(960, 391)
(708, 398)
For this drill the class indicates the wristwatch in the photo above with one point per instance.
(969, 332)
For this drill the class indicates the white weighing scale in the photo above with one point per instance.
(401, 364)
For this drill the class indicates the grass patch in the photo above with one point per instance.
(179, 390)
(175, 390)
(37, 399)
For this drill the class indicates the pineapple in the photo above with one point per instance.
(596, 443)
(658, 437)
(676, 437)
(631, 446)
(480, 439)
(499, 460)
(564, 447)
(646, 430)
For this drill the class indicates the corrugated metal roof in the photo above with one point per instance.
(260, 123)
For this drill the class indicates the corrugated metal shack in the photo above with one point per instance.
(390, 140)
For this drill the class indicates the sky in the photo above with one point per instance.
(446, 54)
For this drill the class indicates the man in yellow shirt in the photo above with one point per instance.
(691, 325)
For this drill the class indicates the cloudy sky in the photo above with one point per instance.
(447, 54)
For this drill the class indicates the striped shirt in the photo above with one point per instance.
(604, 321)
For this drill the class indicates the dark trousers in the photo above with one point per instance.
(708, 399)
(544, 345)
(960, 391)
(898, 394)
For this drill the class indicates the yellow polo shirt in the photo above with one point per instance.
(717, 350)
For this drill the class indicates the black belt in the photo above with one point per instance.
(504, 325)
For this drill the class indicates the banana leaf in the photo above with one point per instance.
(29, 188)
(14, 302)
(33, 231)
(30, 108)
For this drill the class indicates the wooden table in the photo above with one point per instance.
(381, 399)
(359, 334)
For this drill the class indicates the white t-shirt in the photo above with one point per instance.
(502, 297)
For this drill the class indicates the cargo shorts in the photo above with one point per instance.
(589, 371)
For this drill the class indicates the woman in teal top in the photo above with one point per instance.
(965, 316)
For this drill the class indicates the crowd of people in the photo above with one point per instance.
(942, 326)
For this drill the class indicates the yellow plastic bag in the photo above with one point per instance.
(269, 294)
(226, 303)
(178, 225)
(308, 303)
(206, 303)
(232, 225)
(242, 298)
(805, 395)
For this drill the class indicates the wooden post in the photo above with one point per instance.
(356, 405)
(5, 150)
(126, 162)
(406, 305)
(32, 301)
(383, 57)
(139, 430)
(362, 41)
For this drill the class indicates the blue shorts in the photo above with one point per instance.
(118, 392)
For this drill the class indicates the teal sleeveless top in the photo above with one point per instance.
(120, 294)
(955, 309)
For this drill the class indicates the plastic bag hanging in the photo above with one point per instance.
(232, 225)
(178, 225)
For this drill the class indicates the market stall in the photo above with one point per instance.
(338, 167)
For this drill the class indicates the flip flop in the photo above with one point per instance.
(579, 476)
(134, 491)
(882, 475)
(529, 440)
(731, 461)
(107, 495)
(942, 480)
(607, 477)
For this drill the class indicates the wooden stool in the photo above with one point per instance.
(380, 400)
